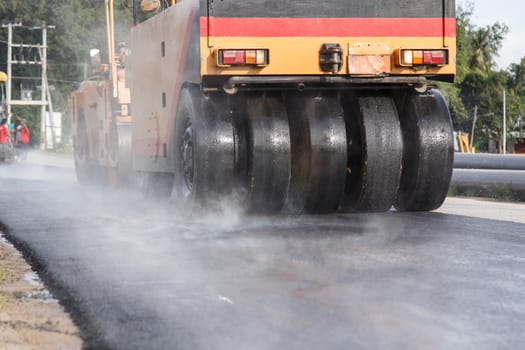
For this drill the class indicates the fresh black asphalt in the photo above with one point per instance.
(134, 275)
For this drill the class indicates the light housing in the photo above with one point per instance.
(243, 57)
(422, 57)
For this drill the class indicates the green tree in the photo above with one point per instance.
(479, 85)
(80, 26)
(484, 44)
(516, 88)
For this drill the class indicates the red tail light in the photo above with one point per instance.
(229, 57)
(412, 57)
(243, 57)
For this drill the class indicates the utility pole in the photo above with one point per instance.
(8, 103)
(43, 96)
(504, 122)
(473, 126)
(474, 120)
(42, 49)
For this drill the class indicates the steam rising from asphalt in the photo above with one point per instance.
(224, 281)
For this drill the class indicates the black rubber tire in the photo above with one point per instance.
(428, 158)
(204, 151)
(80, 153)
(319, 153)
(375, 153)
(87, 170)
(119, 170)
(268, 154)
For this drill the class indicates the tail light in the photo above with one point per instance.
(243, 57)
(411, 57)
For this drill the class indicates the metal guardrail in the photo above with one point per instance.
(490, 175)
(489, 161)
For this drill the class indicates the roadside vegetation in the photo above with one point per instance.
(480, 83)
(501, 193)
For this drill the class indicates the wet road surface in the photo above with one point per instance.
(136, 276)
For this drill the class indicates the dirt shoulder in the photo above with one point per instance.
(30, 318)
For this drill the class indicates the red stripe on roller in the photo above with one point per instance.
(323, 27)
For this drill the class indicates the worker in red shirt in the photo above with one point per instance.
(4, 140)
(23, 142)
(24, 132)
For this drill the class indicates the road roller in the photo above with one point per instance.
(294, 107)
(101, 120)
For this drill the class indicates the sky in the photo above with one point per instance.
(509, 12)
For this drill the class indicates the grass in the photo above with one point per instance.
(502, 193)
(453, 191)
(505, 193)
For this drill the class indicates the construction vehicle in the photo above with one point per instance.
(284, 106)
(102, 125)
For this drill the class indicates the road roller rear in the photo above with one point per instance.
(298, 107)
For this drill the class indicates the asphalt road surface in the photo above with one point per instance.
(134, 275)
